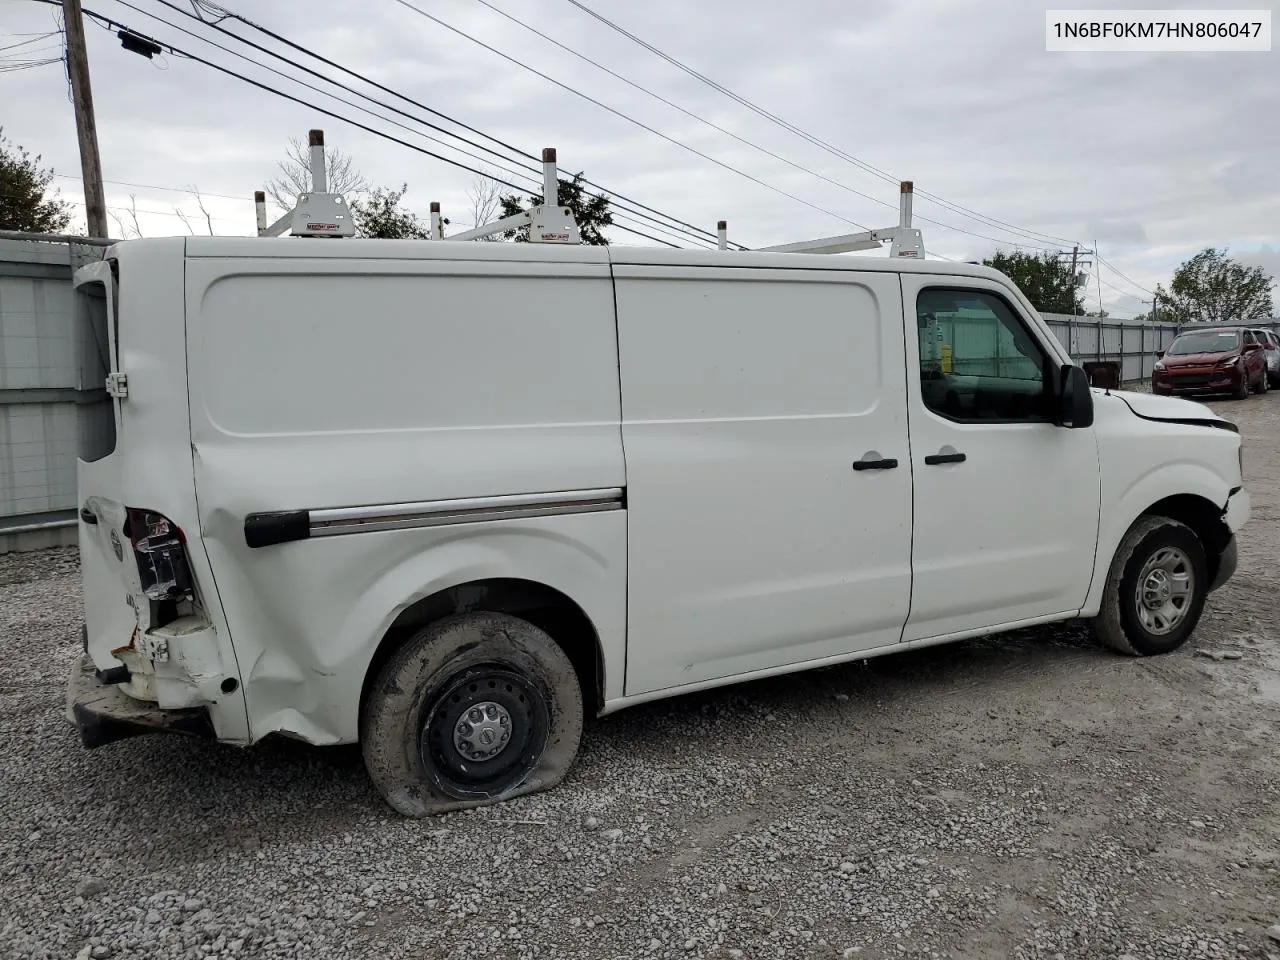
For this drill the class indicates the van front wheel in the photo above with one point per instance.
(472, 710)
(1155, 589)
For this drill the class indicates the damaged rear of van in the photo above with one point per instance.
(155, 654)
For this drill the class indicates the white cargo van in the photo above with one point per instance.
(443, 498)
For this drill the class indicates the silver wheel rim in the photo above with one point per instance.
(1165, 589)
(483, 731)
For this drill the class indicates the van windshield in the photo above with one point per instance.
(1207, 342)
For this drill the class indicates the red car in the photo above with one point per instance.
(1218, 360)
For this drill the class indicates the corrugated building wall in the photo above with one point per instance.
(40, 388)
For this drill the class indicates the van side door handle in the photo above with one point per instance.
(934, 459)
(886, 464)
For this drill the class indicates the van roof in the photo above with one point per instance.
(365, 249)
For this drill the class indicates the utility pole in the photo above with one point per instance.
(1075, 252)
(86, 128)
(1075, 258)
(1098, 273)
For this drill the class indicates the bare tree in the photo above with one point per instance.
(295, 175)
(129, 228)
(186, 219)
(208, 220)
(485, 198)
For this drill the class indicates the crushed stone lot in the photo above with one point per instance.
(1025, 796)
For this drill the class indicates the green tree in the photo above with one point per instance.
(380, 216)
(26, 202)
(1213, 288)
(590, 210)
(1044, 279)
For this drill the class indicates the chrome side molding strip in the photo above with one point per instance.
(266, 529)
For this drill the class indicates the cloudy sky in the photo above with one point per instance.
(1149, 156)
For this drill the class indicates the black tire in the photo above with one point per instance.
(1243, 390)
(1128, 625)
(1264, 382)
(413, 726)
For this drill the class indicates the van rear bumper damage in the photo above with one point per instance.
(103, 714)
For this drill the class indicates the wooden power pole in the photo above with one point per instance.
(86, 128)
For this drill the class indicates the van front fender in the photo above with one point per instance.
(1180, 478)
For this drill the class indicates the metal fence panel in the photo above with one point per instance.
(40, 384)
(1131, 343)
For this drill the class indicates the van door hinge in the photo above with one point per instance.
(118, 385)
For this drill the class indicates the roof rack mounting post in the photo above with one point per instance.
(316, 214)
(722, 235)
(548, 222)
(550, 178)
(437, 224)
(904, 240)
(319, 180)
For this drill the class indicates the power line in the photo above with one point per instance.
(676, 106)
(1110, 286)
(34, 39)
(617, 198)
(16, 65)
(326, 93)
(816, 141)
(177, 51)
(1122, 276)
(129, 210)
(153, 186)
(621, 226)
(629, 119)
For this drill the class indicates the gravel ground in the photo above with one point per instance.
(1028, 796)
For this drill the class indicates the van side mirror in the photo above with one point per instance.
(1252, 347)
(1159, 354)
(1075, 399)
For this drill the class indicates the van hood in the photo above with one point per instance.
(1172, 410)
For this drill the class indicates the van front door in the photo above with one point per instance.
(768, 488)
(1005, 502)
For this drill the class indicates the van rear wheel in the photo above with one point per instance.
(1155, 590)
(472, 710)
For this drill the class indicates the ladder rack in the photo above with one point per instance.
(324, 214)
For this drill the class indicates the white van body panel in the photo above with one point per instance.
(375, 383)
(1145, 461)
(746, 400)
(664, 438)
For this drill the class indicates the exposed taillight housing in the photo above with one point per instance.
(160, 550)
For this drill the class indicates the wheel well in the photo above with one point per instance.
(545, 607)
(1203, 516)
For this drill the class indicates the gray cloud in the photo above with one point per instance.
(1151, 156)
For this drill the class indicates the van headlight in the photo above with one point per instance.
(1159, 366)
(1229, 361)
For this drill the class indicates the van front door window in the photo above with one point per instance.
(977, 361)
